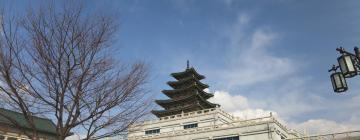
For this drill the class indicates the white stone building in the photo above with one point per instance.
(187, 115)
(210, 124)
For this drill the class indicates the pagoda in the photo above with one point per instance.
(187, 94)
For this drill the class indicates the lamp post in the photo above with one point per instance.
(349, 65)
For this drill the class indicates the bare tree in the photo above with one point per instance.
(57, 63)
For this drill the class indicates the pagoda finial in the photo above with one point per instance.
(187, 64)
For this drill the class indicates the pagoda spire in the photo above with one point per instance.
(187, 64)
(187, 94)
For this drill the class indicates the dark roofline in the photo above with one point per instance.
(177, 75)
(24, 125)
(173, 84)
(172, 92)
(42, 118)
(166, 102)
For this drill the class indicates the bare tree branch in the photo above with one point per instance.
(55, 63)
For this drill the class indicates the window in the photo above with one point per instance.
(154, 131)
(11, 138)
(229, 138)
(2, 137)
(194, 125)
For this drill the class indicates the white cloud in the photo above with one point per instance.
(241, 107)
(251, 62)
(238, 105)
(324, 126)
(249, 59)
(237, 101)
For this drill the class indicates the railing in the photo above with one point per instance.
(348, 135)
(185, 115)
(237, 123)
(6, 135)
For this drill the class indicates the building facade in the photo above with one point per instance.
(210, 124)
(187, 115)
(45, 127)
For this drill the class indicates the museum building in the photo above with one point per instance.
(8, 131)
(188, 115)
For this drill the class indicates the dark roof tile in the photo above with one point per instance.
(42, 124)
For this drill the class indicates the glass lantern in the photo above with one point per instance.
(338, 82)
(347, 66)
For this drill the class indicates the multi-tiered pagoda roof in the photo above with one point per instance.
(187, 94)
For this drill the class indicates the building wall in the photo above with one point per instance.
(204, 118)
(11, 132)
(212, 124)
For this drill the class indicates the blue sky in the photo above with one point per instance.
(259, 56)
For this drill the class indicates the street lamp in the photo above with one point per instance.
(338, 80)
(349, 66)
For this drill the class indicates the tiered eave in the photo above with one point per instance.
(186, 73)
(187, 94)
(186, 90)
(185, 82)
(170, 102)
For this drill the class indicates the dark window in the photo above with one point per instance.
(11, 138)
(154, 131)
(194, 125)
(2, 137)
(229, 138)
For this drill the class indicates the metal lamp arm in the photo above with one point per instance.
(334, 68)
(343, 51)
(355, 57)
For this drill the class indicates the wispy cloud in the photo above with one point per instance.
(250, 60)
(238, 105)
(235, 102)
(324, 126)
(244, 108)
